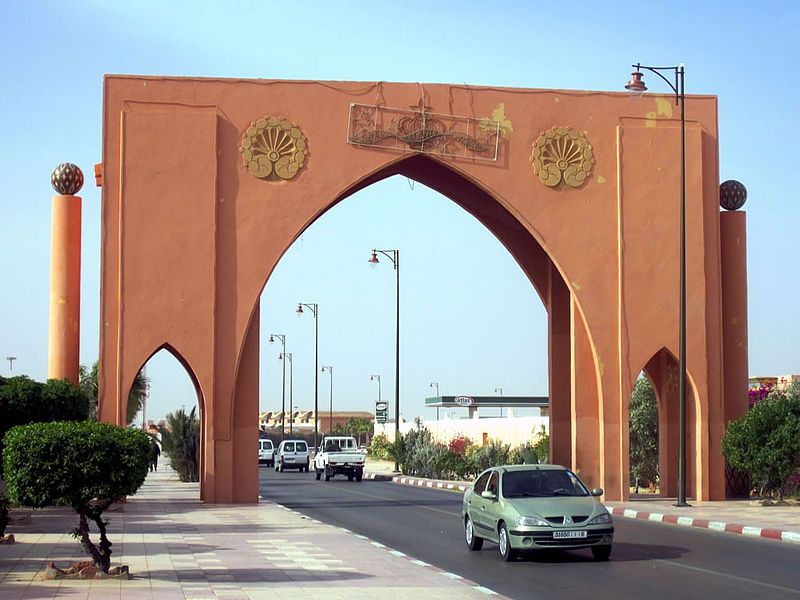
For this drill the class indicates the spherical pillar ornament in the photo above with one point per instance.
(67, 179)
(732, 195)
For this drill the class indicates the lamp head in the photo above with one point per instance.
(636, 84)
(373, 260)
(271, 339)
(299, 310)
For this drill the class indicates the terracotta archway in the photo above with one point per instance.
(206, 183)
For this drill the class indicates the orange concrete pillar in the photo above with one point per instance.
(559, 349)
(733, 242)
(65, 275)
(585, 405)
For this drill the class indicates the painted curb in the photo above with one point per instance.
(452, 486)
(397, 553)
(378, 476)
(719, 526)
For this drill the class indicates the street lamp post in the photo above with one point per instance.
(378, 378)
(394, 256)
(11, 360)
(282, 339)
(637, 85)
(500, 391)
(329, 369)
(314, 308)
(436, 385)
(284, 356)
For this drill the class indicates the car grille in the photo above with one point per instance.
(546, 539)
(560, 520)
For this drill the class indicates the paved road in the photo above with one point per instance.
(649, 560)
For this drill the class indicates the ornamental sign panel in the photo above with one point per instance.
(420, 130)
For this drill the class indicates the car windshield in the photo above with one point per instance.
(542, 483)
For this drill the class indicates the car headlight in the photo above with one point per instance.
(600, 519)
(532, 522)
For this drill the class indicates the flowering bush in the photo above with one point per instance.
(756, 395)
(459, 444)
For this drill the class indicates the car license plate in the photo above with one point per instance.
(289, 459)
(560, 535)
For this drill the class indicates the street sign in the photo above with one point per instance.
(381, 412)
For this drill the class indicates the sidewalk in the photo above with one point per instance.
(730, 516)
(178, 548)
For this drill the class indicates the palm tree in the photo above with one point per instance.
(180, 439)
(88, 383)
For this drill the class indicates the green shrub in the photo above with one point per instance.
(541, 447)
(380, 447)
(492, 454)
(24, 401)
(181, 442)
(765, 443)
(84, 465)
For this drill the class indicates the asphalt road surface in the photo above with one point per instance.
(649, 560)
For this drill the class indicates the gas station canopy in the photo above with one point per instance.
(488, 401)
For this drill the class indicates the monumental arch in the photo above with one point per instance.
(207, 182)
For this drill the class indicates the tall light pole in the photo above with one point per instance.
(282, 339)
(329, 369)
(314, 308)
(436, 385)
(637, 85)
(500, 391)
(284, 356)
(11, 360)
(378, 378)
(394, 256)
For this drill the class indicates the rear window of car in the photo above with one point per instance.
(481, 483)
(288, 446)
(265, 444)
(301, 447)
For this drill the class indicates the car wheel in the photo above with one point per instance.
(327, 474)
(359, 475)
(317, 474)
(507, 553)
(601, 552)
(474, 543)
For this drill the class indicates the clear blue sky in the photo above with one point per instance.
(471, 321)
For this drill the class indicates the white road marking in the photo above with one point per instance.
(720, 574)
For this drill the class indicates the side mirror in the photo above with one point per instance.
(597, 491)
(488, 495)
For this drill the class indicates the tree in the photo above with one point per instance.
(88, 383)
(765, 443)
(24, 401)
(643, 434)
(85, 465)
(181, 442)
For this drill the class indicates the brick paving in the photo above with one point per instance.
(177, 547)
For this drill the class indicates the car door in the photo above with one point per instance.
(491, 507)
(476, 504)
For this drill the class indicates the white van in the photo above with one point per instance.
(292, 454)
(266, 452)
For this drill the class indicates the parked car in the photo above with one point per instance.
(339, 455)
(292, 454)
(266, 452)
(529, 507)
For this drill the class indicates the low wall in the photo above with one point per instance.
(511, 430)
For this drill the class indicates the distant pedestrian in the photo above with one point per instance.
(155, 452)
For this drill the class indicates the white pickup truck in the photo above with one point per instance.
(339, 455)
